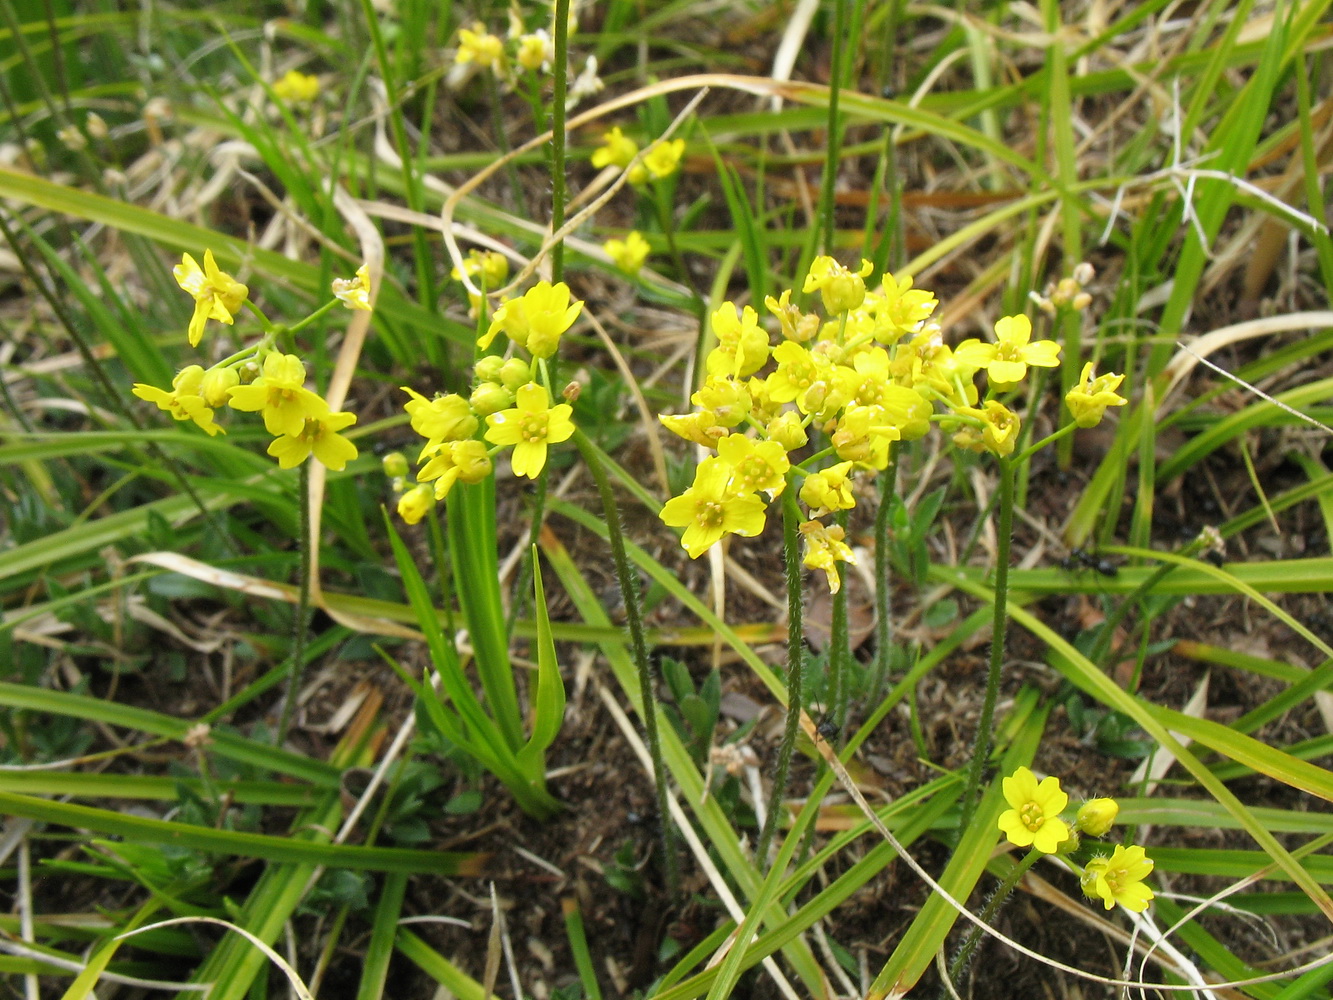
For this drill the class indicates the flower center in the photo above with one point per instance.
(532, 427)
(1032, 816)
(710, 514)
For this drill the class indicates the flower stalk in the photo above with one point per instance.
(629, 592)
(302, 602)
(981, 747)
(791, 560)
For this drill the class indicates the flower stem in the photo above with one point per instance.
(560, 73)
(302, 602)
(629, 591)
(1032, 449)
(838, 643)
(888, 482)
(958, 967)
(295, 327)
(791, 557)
(981, 748)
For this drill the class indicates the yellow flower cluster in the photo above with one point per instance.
(1033, 820)
(872, 370)
(660, 161)
(260, 379)
(510, 395)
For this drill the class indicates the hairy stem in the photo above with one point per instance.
(981, 748)
(629, 591)
(791, 558)
(302, 602)
(959, 966)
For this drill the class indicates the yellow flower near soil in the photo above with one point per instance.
(899, 308)
(616, 150)
(184, 401)
(216, 295)
(465, 461)
(828, 490)
(530, 426)
(1119, 879)
(742, 344)
(438, 420)
(756, 466)
(319, 437)
(824, 549)
(628, 254)
(1007, 360)
(841, 288)
(297, 88)
(416, 503)
(994, 428)
(480, 47)
(1033, 817)
(280, 395)
(1090, 397)
(354, 293)
(660, 162)
(536, 320)
(711, 508)
(535, 50)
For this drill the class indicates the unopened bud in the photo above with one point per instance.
(395, 464)
(515, 373)
(488, 368)
(571, 392)
(217, 384)
(490, 397)
(1096, 816)
(96, 125)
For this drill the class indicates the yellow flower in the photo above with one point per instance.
(280, 394)
(994, 428)
(1096, 816)
(416, 503)
(616, 150)
(536, 320)
(661, 161)
(841, 288)
(216, 295)
(824, 549)
(742, 344)
(798, 371)
(829, 490)
(796, 325)
(1089, 399)
(900, 309)
(457, 460)
(480, 47)
(700, 427)
(184, 402)
(530, 426)
(444, 418)
(216, 385)
(786, 429)
(1006, 361)
(535, 50)
(1119, 879)
(628, 254)
(493, 268)
(727, 400)
(319, 437)
(296, 88)
(711, 508)
(755, 465)
(1033, 817)
(354, 293)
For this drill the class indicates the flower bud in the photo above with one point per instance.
(96, 125)
(489, 397)
(416, 503)
(395, 464)
(571, 392)
(488, 368)
(471, 459)
(216, 385)
(515, 373)
(787, 431)
(1096, 816)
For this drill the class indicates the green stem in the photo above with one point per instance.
(295, 327)
(1032, 449)
(837, 650)
(303, 601)
(560, 72)
(958, 967)
(981, 748)
(888, 484)
(629, 591)
(834, 146)
(791, 558)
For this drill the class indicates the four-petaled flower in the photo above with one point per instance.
(184, 401)
(354, 292)
(616, 150)
(755, 465)
(711, 508)
(530, 426)
(1119, 879)
(479, 47)
(1033, 819)
(1090, 397)
(216, 295)
(841, 288)
(319, 437)
(1006, 361)
(659, 162)
(536, 320)
(824, 549)
(280, 394)
(628, 254)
